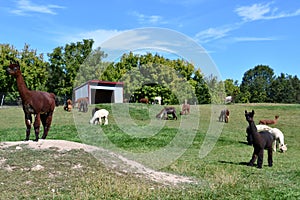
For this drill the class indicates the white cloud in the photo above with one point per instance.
(148, 19)
(214, 33)
(26, 6)
(262, 12)
(253, 39)
(99, 36)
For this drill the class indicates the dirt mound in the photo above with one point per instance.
(110, 159)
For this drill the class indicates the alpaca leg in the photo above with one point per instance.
(100, 120)
(47, 121)
(260, 158)
(28, 121)
(254, 157)
(106, 120)
(270, 157)
(274, 146)
(36, 126)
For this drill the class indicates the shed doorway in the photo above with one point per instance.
(102, 96)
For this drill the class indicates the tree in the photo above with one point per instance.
(285, 89)
(92, 68)
(65, 63)
(232, 89)
(257, 82)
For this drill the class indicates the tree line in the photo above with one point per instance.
(148, 75)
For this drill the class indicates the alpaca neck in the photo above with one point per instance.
(253, 128)
(23, 90)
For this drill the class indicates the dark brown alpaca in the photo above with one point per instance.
(39, 103)
(261, 140)
(163, 114)
(269, 121)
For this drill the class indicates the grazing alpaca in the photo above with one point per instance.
(144, 100)
(269, 121)
(68, 107)
(261, 140)
(185, 109)
(163, 114)
(98, 115)
(39, 103)
(278, 135)
(224, 116)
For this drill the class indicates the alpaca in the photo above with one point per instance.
(82, 104)
(163, 114)
(278, 135)
(261, 140)
(224, 116)
(39, 103)
(68, 107)
(144, 100)
(99, 114)
(269, 121)
(185, 109)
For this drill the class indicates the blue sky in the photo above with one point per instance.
(238, 35)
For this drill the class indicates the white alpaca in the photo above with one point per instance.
(99, 114)
(278, 135)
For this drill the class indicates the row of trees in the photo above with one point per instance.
(143, 76)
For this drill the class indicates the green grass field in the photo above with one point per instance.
(133, 129)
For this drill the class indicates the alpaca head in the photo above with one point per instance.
(249, 115)
(13, 69)
(283, 148)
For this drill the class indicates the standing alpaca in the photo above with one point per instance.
(99, 114)
(39, 103)
(269, 121)
(224, 116)
(261, 140)
(278, 135)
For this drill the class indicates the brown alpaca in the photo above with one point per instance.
(39, 103)
(68, 107)
(224, 116)
(269, 121)
(185, 109)
(144, 100)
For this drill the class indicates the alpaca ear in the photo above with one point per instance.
(253, 112)
(245, 111)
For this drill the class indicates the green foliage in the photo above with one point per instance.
(153, 75)
(257, 82)
(64, 66)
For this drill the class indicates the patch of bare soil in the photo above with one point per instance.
(112, 160)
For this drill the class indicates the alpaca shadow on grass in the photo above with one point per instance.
(243, 142)
(234, 163)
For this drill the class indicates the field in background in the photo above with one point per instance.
(222, 174)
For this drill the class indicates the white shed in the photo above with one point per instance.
(100, 92)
